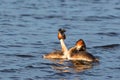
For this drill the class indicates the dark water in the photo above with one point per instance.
(28, 30)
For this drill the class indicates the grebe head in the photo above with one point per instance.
(80, 45)
(61, 34)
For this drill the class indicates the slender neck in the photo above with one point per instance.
(71, 50)
(63, 46)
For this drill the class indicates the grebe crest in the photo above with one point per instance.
(61, 34)
(80, 45)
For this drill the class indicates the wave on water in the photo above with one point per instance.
(109, 34)
(109, 46)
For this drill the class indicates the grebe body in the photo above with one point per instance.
(78, 52)
(54, 55)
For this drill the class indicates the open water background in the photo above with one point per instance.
(28, 30)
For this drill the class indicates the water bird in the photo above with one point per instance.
(59, 53)
(79, 52)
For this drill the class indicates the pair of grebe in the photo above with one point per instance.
(78, 52)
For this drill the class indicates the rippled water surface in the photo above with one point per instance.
(28, 30)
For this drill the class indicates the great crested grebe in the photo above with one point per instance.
(59, 53)
(78, 52)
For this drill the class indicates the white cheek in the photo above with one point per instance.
(78, 47)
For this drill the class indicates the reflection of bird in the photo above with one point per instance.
(70, 66)
(79, 66)
(59, 53)
(78, 52)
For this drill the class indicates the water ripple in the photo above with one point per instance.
(24, 56)
(109, 34)
(9, 70)
(100, 18)
(110, 46)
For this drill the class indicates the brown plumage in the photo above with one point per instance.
(55, 54)
(78, 52)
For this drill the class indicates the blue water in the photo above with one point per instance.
(28, 30)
